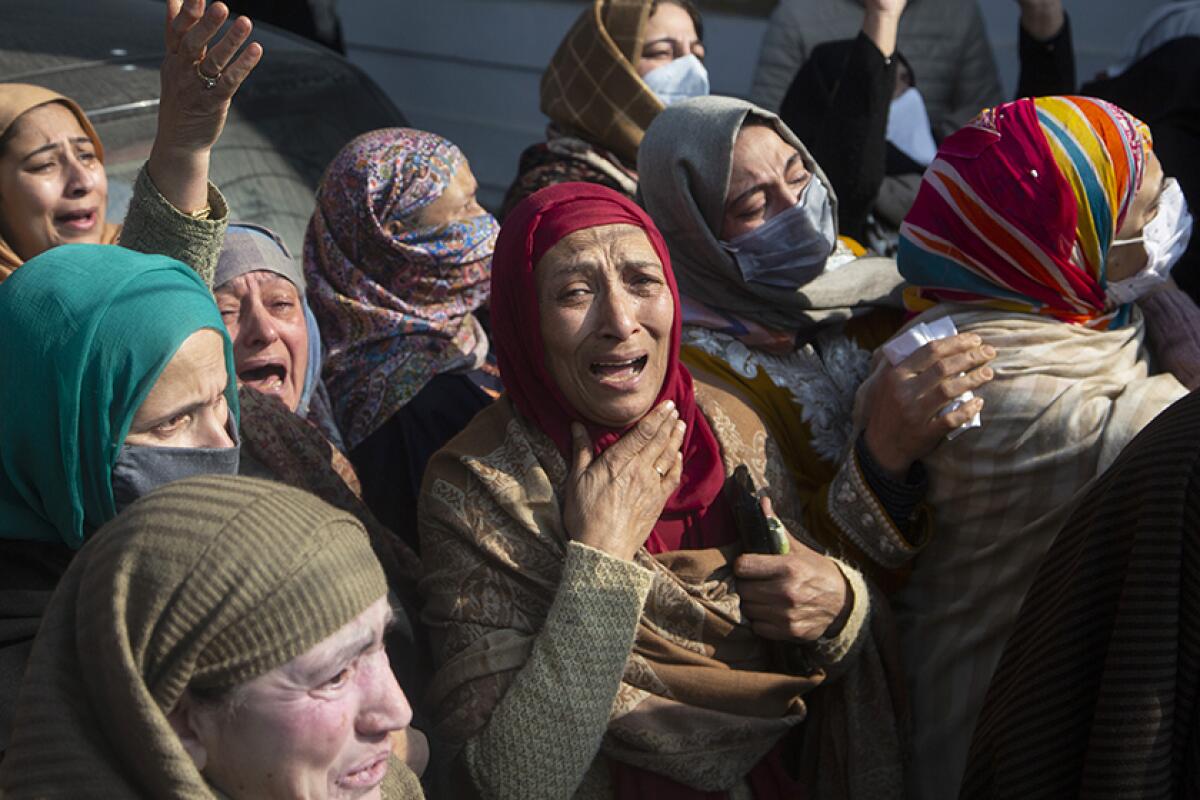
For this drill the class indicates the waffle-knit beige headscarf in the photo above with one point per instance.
(208, 582)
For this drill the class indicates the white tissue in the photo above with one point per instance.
(905, 344)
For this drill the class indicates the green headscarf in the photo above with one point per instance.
(85, 331)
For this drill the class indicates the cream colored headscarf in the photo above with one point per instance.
(208, 582)
(684, 167)
(15, 100)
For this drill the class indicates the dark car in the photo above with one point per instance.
(299, 107)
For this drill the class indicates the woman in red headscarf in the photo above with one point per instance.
(580, 555)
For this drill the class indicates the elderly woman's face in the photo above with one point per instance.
(457, 203)
(265, 317)
(1127, 259)
(606, 313)
(53, 188)
(669, 34)
(318, 727)
(767, 177)
(186, 406)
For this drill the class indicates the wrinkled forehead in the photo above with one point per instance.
(249, 249)
(614, 244)
(49, 122)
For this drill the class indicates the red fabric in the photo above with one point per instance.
(694, 516)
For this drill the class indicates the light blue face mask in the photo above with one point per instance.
(682, 79)
(791, 248)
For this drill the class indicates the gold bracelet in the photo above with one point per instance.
(203, 215)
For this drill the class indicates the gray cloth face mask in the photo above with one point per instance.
(791, 248)
(140, 469)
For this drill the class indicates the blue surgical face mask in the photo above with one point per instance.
(790, 249)
(682, 79)
(141, 469)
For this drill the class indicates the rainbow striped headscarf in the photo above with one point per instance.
(1019, 208)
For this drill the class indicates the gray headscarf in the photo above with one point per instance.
(684, 165)
(250, 248)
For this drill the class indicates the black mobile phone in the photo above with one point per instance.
(759, 533)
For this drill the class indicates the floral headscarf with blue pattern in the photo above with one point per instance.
(394, 299)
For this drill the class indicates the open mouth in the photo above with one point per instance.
(619, 371)
(367, 776)
(265, 378)
(81, 221)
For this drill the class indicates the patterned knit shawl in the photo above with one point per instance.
(699, 700)
(591, 86)
(393, 299)
(1020, 207)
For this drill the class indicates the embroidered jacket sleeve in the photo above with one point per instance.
(861, 522)
(841, 507)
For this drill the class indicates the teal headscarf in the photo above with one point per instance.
(85, 331)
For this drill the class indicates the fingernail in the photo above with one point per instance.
(670, 405)
(987, 373)
(988, 351)
(975, 340)
(681, 426)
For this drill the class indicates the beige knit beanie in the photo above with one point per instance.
(210, 582)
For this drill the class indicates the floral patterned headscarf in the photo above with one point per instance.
(394, 299)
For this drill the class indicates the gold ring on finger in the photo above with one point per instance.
(209, 81)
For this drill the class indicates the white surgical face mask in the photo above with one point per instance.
(1165, 238)
(908, 127)
(680, 80)
(790, 249)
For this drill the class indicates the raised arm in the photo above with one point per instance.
(1046, 49)
(838, 106)
(175, 211)
(198, 84)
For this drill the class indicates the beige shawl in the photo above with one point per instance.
(1065, 401)
(698, 701)
(15, 100)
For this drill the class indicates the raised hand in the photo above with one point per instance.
(881, 21)
(905, 401)
(198, 83)
(1042, 19)
(613, 501)
(791, 597)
